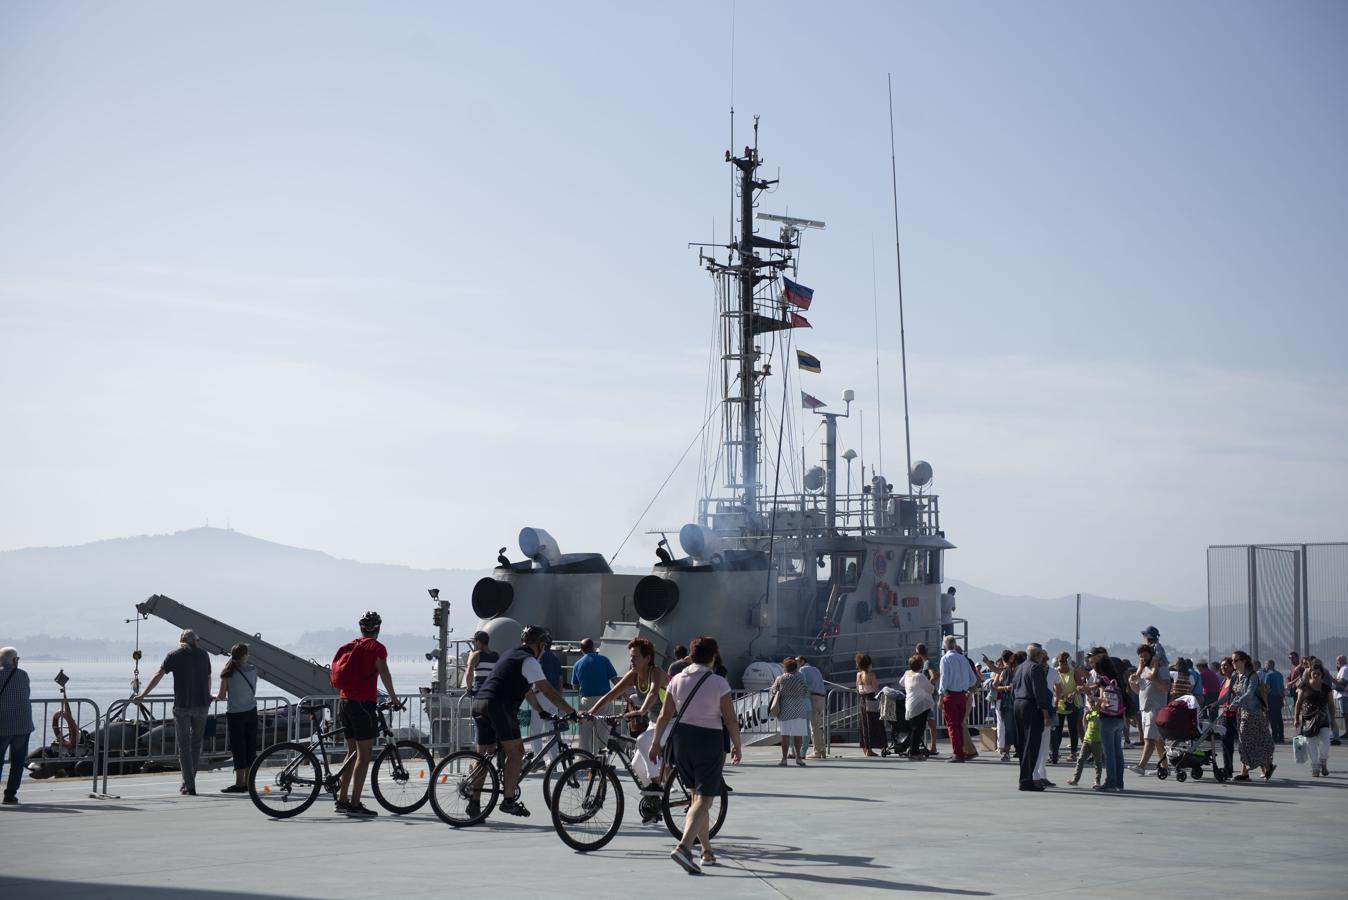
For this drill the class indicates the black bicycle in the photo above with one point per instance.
(285, 778)
(466, 786)
(587, 798)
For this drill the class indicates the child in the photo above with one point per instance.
(1091, 748)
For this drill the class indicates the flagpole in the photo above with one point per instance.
(898, 264)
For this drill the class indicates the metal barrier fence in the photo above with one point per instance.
(843, 717)
(139, 736)
(78, 751)
(1272, 599)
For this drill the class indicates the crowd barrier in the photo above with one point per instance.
(75, 750)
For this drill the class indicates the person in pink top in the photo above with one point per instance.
(1211, 681)
(697, 702)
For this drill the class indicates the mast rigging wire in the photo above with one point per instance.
(898, 264)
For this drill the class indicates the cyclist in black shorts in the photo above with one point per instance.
(358, 669)
(496, 709)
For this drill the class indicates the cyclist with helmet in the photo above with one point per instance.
(367, 660)
(496, 708)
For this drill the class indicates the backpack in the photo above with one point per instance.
(1113, 702)
(345, 676)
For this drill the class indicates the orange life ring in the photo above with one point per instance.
(64, 729)
(884, 598)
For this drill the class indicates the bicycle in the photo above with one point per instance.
(462, 781)
(587, 801)
(285, 778)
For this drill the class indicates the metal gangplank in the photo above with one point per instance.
(285, 670)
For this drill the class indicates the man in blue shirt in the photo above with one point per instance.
(957, 677)
(1277, 692)
(592, 675)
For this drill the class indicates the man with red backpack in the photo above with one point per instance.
(357, 669)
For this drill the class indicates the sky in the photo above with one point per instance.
(394, 280)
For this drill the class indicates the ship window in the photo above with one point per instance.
(919, 567)
(849, 568)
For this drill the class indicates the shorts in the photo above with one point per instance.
(359, 719)
(1149, 730)
(699, 755)
(495, 723)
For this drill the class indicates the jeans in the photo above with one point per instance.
(15, 746)
(1229, 742)
(1275, 725)
(189, 731)
(1111, 742)
(1072, 723)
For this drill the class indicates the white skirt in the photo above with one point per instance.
(792, 727)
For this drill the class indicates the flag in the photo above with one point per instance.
(809, 402)
(800, 322)
(797, 294)
(807, 361)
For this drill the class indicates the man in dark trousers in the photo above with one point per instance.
(191, 670)
(1034, 710)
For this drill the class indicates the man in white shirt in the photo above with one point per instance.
(1341, 688)
(957, 677)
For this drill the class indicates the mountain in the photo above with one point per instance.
(90, 590)
(1014, 621)
(296, 597)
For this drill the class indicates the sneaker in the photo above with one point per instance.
(800, 762)
(1335, 742)
(514, 808)
(473, 810)
(341, 806)
(360, 811)
(1324, 771)
(1072, 782)
(684, 858)
(234, 789)
(782, 764)
(955, 759)
(11, 800)
(1138, 769)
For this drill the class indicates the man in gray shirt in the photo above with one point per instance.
(1151, 680)
(191, 670)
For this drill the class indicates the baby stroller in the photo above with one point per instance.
(901, 739)
(1192, 737)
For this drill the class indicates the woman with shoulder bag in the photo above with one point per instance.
(238, 687)
(1312, 713)
(789, 693)
(699, 706)
(1254, 737)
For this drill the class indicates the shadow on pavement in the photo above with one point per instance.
(87, 890)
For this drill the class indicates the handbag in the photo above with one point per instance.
(775, 705)
(1299, 750)
(1311, 727)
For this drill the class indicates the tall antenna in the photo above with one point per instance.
(898, 264)
(875, 311)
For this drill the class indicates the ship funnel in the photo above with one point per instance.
(699, 542)
(541, 547)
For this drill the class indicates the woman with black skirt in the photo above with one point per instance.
(238, 686)
(697, 703)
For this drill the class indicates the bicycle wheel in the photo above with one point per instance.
(400, 777)
(565, 760)
(464, 788)
(587, 805)
(284, 780)
(678, 798)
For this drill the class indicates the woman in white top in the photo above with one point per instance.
(920, 696)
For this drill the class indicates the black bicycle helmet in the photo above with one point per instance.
(370, 622)
(534, 634)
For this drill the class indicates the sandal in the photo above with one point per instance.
(1268, 773)
(1241, 777)
(708, 858)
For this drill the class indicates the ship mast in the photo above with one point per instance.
(748, 355)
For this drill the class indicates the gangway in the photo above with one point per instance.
(285, 670)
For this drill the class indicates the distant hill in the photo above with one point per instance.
(305, 598)
(88, 591)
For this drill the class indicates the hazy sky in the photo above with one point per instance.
(392, 280)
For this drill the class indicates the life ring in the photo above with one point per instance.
(884, 598)
(64, 729)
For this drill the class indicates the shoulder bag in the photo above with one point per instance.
(668, 737)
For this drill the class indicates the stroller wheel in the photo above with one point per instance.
(1181, 775)
(1163, 773)
(1197, 772)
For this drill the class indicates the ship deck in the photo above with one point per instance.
(848, 826)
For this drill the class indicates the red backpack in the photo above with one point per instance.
(347, 677)
(1112, 698)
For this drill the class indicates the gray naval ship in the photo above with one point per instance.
(770, 573)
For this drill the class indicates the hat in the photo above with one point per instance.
(482, 636)
(1151, 631)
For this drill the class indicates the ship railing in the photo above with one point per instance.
(78, 751)
(805, 514)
